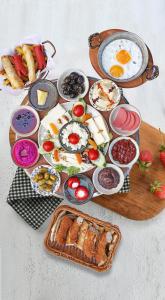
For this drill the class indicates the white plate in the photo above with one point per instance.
(101, 189)
(116, 162)
(112, 116)
(61, 80)
(42, 132)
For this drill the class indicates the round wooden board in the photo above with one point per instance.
(93, 54)
(139, 203)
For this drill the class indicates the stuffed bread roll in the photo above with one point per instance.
(28, 55)
(73, 233)
(62, 232)
(82, 234)
(89, 243)
(101, 256)
(15, 81)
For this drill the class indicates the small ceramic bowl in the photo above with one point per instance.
(55, 186)
(68, 148)
(129, 165)
(112, 116)
(46, 86)
(61, 81)
(20, 117)
(21, 153)
(103, 190)
(116, 98)
(69, 194)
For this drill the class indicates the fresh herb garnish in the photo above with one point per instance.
(72, 170)
(60, 168)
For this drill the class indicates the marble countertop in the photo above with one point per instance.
(26, 271)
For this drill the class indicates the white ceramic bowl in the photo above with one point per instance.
(112, 117)
(101, 189)
(61, 80)
(36, 115)
(116, 162)
(56, 185)
(117, 100)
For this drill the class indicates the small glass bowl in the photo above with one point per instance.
(121, 132)
(69, 193)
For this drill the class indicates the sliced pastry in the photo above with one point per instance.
(73, 232)
(82, 234)
(101, 256)
(62, 232)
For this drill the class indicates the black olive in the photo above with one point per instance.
(74, 75)
(67, 79)
(80, 79)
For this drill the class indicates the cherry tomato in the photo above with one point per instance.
(73, 182)
(93, 154)
(78, 110)
(81, 193)
(74, 138)
(48, 146)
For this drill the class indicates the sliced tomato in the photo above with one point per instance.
(40, 56)
(21, 69)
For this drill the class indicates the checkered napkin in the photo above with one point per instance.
(32, 207)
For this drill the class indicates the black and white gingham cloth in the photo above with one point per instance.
(32, 207)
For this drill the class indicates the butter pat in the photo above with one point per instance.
(42, 96)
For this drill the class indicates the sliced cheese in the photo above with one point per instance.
(53, 115)
(42, 96)
(102, 127)
(97, 136)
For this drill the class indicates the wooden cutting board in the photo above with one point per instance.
(139, 203)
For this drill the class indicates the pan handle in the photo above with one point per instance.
(152, 72)
(53, 47)
(94, 40)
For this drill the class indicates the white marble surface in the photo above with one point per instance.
(27, 272)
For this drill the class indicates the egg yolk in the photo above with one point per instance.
(116, 71)
(123, 57)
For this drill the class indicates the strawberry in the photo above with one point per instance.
(145, 159)
(162, 149)
(158, 189)
(162, 154)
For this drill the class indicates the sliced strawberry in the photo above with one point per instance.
(120, 118)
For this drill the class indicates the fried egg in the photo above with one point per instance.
(122, 59)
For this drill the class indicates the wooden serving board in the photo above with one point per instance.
(139, 203)
(93, 54)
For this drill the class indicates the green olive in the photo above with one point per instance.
(50, 182)
(48, 188)
(46, 176)
(43, 170)
(53, 177)
(40, 176)
(41, 182)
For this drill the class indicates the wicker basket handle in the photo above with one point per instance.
(152, 72)
(94, 40)
(53, 47)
